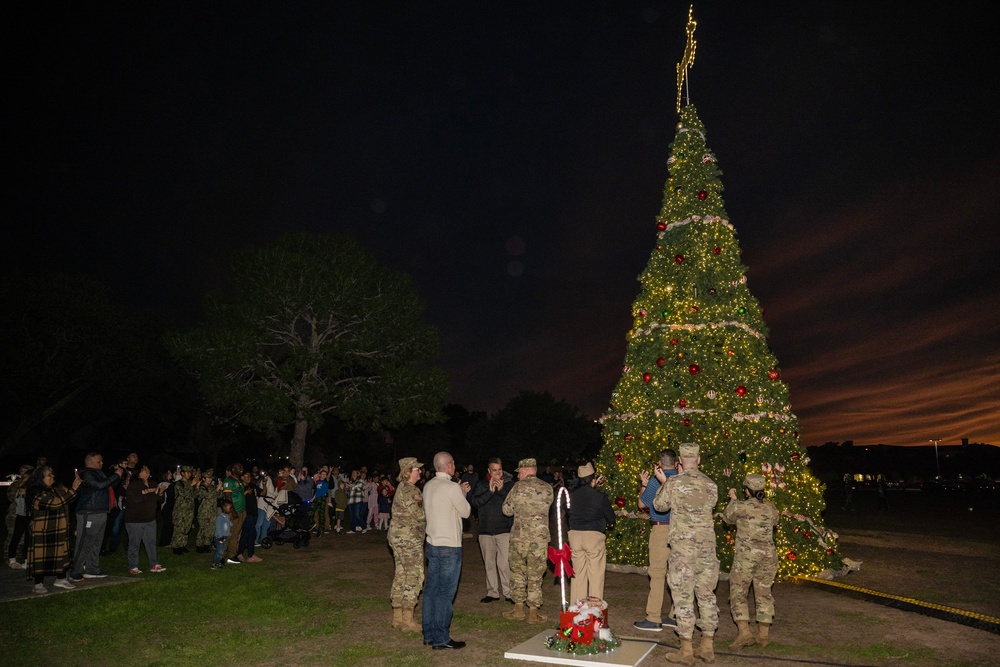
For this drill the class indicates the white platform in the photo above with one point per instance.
(630, 653)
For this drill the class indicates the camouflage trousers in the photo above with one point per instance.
(182, 526)
(759, 568)
(409, 578)
(206, 530)
(694, 577)
(527, 569)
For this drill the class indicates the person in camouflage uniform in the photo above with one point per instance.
(208, 492)
(183, 510)
(528, 502)
(755, 560)
(693, 566)
(406, 538)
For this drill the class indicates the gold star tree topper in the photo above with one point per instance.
(688, 59)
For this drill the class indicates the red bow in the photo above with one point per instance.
(561, 558)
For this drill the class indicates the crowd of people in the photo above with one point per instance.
(427, 514)
(124, 504)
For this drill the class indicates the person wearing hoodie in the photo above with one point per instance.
(494, 529)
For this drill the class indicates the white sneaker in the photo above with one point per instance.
(14, 565)
(40, 589)
(365, 530)
(64, 583)
(232, 561)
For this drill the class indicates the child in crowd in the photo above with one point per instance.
(384, 507)
(339, 505)
(223, 526)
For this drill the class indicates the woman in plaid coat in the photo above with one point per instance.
(48, 553)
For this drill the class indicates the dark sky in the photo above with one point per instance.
(512, 158)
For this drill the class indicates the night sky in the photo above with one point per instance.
(512, 157)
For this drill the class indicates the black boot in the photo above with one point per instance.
(178, 552)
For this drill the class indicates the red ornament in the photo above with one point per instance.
(673, 341)
(795, 434)
(686, 421)
(730, 352)
(717, 250)
(693, 369)
(683, 403)
(662, 226)
(660, 362)
(646, 377)
(795, 456)
(807, 535)
(741, 391)
(679, 259)
(620, 502)
(791, 555)
(702, 195)
(694, 309)
(829, 551)
(725, 434)
(642, 313)
(628, 437)
(706, 158)
(618, 457)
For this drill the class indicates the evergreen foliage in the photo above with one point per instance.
(698, 369)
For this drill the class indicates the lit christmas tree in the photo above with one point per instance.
(698, 369)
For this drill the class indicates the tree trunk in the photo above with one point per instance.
(298, 449)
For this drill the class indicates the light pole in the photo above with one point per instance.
(936, 459)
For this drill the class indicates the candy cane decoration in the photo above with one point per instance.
(559, 539)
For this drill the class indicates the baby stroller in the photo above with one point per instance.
(292, 519)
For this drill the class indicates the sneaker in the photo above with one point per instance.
(357, 529)
(64, 583)
(230, 561)
(14, 565)
(216, 566)
(350, 532)
(365, 530)
(651, 626)
(75, 578)
(40, 589)
(668, 622)
(254, 559)
(241, 558)
(157, 568)
(100, 575)
(135, 570)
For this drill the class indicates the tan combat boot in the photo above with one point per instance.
(707, 649)
(762, 629)
(408, 624)
(685, 656)
(534, 617)
(397, 617)
(515, 614)
(744, 638)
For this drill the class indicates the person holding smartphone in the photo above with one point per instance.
(659, 542)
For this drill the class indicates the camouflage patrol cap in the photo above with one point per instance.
(688, 450)
(408, 463)
(754, 482)
(187, 469)
(527, 463)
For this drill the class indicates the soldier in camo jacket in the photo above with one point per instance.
(406, 537)
(693, 566)
(528, 502)
(755, 560)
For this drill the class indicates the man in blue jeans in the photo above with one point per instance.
(92, 509)
(445, 505)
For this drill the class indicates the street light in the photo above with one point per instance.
(936, 459)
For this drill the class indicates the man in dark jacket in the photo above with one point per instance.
(92, 516)
(494, 528)
(590, 516)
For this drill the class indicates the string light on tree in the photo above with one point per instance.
(711, 376)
